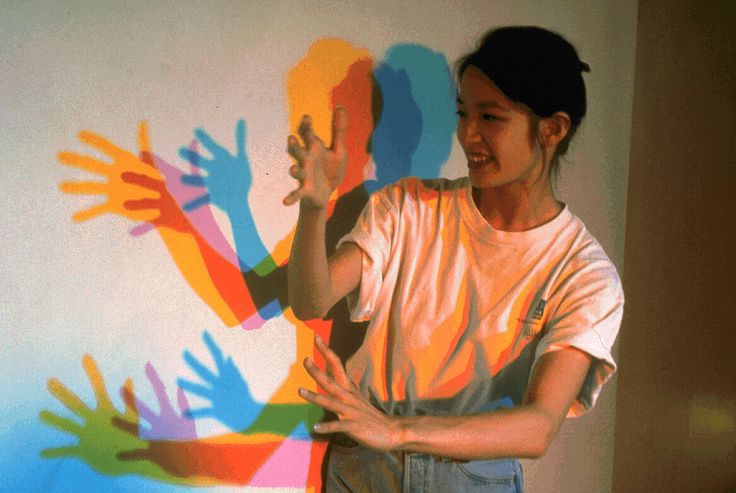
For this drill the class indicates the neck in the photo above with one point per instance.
(517, 207)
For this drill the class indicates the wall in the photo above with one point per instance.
(676, 407)
(155, 251)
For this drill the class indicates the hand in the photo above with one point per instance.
(318, 169)
(167, 424)
(134, 189)
(232, 403)
(227, 176)
(356, 416)
(98, 441)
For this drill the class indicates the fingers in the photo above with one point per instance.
(182, 401)
(339, 129)
(240, 138)
(192, 157)
(60, 423)
(85, 163)
(129, 427)
(295, 150)
(332, 427)
(59, 452)
(296, 171)
(68, 398)
(201, 370)
(97, 382)
(131, 410)
(195, 204)
(306, 132)
(324, 401)
(215, 351)
(193, 180)
(194, 388)
(293, 197)
(144, 143)
(334, 364)
(91, 213)
(158, 388)
(84, 187)
(102, 144)
(215, 149)
(330, 386)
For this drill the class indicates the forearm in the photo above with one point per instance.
(309, 277)
(523, 431)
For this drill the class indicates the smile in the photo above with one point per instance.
(477, 160)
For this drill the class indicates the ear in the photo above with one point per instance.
(554, 128)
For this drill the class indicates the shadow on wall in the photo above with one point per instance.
(402, 116)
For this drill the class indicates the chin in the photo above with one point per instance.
(484, 179)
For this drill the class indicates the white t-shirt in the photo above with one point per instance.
(460, 312)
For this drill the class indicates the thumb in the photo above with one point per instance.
(339, 129)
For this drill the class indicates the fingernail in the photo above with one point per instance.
(317, 427)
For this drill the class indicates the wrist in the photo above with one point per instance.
(400, 433)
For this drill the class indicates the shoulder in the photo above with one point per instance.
(587, 267)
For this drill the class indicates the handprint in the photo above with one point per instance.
(134, 187)
(231, 401)
(116, 188)
(99, 442)
(167, 424)
(227, 176)
(233, 405)
(227, 179)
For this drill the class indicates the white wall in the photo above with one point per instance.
(70, 289)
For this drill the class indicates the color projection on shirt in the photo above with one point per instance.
(401, 122)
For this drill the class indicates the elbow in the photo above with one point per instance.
(307, 311)
(538, 449)
(542, 440)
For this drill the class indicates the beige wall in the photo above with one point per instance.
(676, 401)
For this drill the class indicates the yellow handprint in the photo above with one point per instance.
(116, 188)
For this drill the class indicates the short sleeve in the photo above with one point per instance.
(587, 317)
(373, 233)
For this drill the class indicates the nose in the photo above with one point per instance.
(468, 130)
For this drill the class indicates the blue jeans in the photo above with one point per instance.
(353, 468)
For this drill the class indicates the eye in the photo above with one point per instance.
(460, 113)
(488, 117)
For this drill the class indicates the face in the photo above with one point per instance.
(496, 134)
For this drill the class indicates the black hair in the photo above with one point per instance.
(535, 67)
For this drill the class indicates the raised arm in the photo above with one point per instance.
(316, 283)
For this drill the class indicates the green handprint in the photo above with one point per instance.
(99, 441)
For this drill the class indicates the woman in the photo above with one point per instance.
(492, 309)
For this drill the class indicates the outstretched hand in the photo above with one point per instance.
(319, 169)
(356, 416)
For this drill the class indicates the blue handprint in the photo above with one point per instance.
(227, 179)
(234, 406)
(232, 403)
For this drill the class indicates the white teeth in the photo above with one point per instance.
(478, 159)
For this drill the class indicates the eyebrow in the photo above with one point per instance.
(484, 104)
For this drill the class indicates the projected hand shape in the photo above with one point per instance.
(227, 179)
(134, 188)
(116, 189)
(232, 403)
(227, 176)
(167, 424)
(99, 442)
